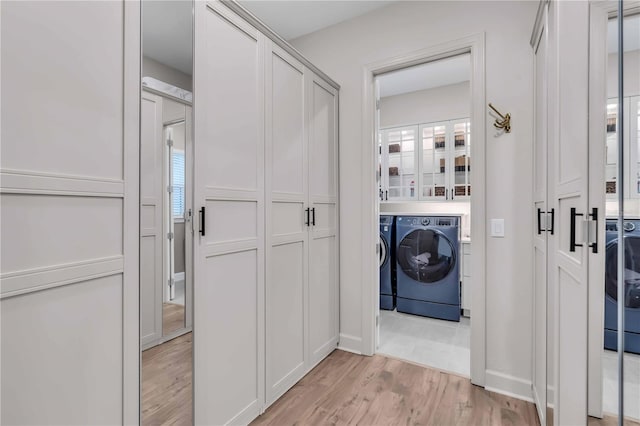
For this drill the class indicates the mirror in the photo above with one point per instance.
(623, 123)
(166, 213)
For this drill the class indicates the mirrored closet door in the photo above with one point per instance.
(166, 213)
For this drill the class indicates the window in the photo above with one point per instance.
(177, 196)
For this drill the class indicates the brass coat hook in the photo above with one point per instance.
(505, 123)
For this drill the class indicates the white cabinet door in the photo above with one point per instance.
(540, 232)
(69, 207)
(287, 232)
(323, 192)
(151, 218)
(229, 249)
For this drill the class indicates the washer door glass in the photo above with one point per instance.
(384, 251)
(426, 255)
(631, 271)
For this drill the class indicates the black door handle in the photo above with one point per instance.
(386, 195)
(572, 230)
(572, 243)
(452, 193)
(313, 216)
(539, 221)
(594, 217)
(202, 221)
(540, 212)
(446, 194)
(307, 210)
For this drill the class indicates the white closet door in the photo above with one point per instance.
(540, 232)
(568, 189)
(323, 193)
(151, 218)
(69, 207)
(287, 232)
(229, 183)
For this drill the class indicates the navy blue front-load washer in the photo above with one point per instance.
(427, 266)
(632, 286)
(387, 267)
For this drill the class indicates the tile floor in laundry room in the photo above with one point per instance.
(631, 383)
(440, 344)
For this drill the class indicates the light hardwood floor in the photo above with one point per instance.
(172, 317)
(167, 383)
(343, 389)
(352, 389)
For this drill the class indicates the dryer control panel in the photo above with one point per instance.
(449, 221)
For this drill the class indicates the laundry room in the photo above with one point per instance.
(423, 117)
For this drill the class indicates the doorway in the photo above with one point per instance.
(425, 176)
(425, 198)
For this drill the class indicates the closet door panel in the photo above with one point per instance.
(74, 88)
(229, 249)
(232, 122)
(69, 204)
(323, 248)
(287, 239)
(151, 213)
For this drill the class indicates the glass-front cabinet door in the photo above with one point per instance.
(400, 145)
(461, 159)
(611, 172)
(426, 162)
(631, 142)
(634, 141)
(434, 162)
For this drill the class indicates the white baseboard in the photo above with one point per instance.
(350, 344)
(178, 276)
(508, 385)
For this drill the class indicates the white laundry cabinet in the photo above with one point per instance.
(266, 202)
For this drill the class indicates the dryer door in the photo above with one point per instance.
(631, 273)
(426, 255)
(384, 251)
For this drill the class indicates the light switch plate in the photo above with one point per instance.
(497, 228)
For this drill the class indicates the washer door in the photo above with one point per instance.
(384, 251)
(631, 271)
(426, 255)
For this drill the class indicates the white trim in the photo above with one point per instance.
(42, 278)
(131, 355)
(29, 182)
(508, 385)
(598, 17)
(350, 343)
(475, 44)
(178, 276)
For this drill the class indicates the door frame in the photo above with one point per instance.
(475, 45)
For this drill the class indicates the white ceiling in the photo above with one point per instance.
(167, 33)
(295, 18)
(167, 24)
(426, 76)
(631, 34)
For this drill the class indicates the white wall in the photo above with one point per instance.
(342, 51)
(155, 69)
(631, 74)
(426, 106)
